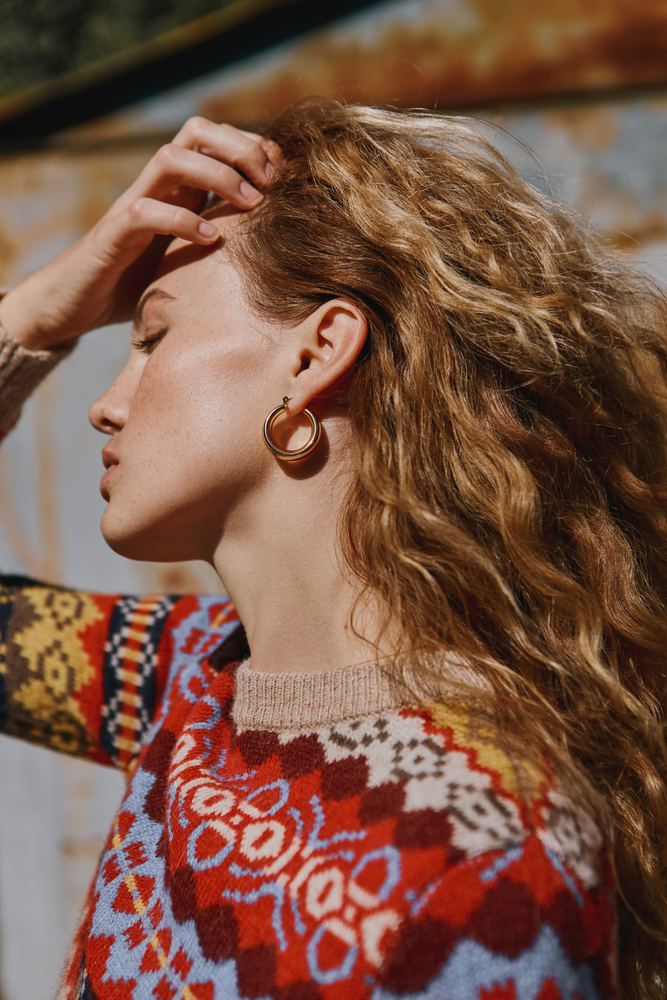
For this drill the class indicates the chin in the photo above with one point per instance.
(130, 545)
(147, 542)
(132, 541)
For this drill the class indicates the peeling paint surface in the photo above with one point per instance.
(608, 158)
(430, 53)
(453, 53)
(56, 811)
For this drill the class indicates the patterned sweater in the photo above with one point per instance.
(295, 836)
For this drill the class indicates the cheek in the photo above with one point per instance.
(203, 411)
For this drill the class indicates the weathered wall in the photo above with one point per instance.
(607, 157)
(452, 54)
(56, 811)
(455, 53)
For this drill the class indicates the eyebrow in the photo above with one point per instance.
(138, 317)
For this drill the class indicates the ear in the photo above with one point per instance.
(325, 348)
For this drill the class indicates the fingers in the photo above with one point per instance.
(244, 151)
(175, 165)
(145, 218)
(204, 156)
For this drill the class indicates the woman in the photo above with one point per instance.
(414, 414)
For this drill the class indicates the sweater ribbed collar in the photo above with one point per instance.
(265, 700)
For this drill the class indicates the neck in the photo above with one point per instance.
(279, 561)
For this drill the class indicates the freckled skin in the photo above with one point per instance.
(186, 419)
(194, 479)
(188, 474)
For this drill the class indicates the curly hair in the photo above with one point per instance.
(509, 427)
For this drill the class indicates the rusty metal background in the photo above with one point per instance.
(459, 53)
(450, 54)
(445, 53)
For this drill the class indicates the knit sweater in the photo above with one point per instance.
(295, 836)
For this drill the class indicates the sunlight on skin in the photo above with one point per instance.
(189, 475)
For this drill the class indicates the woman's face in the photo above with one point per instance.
(186, 413)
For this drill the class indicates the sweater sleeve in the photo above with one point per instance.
(85, 673)
(21, 371)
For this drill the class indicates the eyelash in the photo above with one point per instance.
(148, 345)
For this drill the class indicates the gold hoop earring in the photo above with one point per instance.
(291, 456)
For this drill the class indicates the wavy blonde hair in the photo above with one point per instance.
(509, 418)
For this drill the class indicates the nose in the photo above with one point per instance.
(109, 413)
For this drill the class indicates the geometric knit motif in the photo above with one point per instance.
(129, 674)
(80, 673)
(48, 672)
(401, 854)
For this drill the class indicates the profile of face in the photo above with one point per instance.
(186, 457)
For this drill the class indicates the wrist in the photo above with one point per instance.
(18, 324)
(15, 323)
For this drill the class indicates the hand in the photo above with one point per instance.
(100, 278)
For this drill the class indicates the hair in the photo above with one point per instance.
(509, 433)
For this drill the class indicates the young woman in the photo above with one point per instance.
(414, 413)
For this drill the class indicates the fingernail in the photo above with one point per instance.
(208, 231)
(250, 193)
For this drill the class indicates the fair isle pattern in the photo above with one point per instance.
(129, 674)
(389, 855)
(51, 643)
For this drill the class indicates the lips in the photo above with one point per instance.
(108, 457)
(104, 481)
(110, 464)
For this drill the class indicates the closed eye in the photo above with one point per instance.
(148, 344)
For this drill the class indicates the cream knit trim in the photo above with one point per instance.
(21, 371)
(264, 700)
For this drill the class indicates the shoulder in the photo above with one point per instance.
(447, 768)
(455, 868)
(520, 887)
